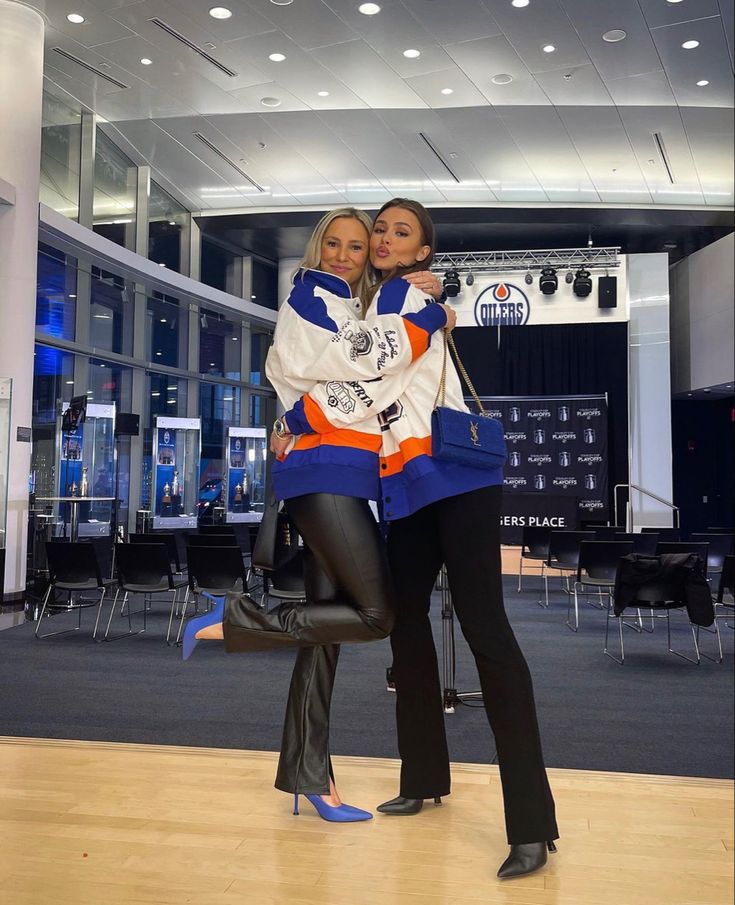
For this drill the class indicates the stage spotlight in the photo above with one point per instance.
(548, 282)
(528, 278)
(470, 279)
(569, 277)
(582, 283)
(451, 283)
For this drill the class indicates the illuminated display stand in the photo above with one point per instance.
(5, 393)
(245, 484)
(175, 472)
(85, 473)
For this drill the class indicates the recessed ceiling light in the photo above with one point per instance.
(673, 1)
(270, 101)
(411, 53)
(614, 35)
(368, 9)
(323, 93)
(277, 57)
(282, 2)
(502, 78)
(690, 45)
(447, 90)
(702, 82)
(75, 18)
(145, 61)
(220, 12)
(548, 48)
(519, 4)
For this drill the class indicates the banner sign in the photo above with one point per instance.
(557, 445)
(536, 510)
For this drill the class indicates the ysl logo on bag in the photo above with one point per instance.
(474, 436)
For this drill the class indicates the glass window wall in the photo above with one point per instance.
(166, 221)
(61, 141)
(219, 344)
(56, 294)
(219, 408)
(264, 289)
(167, 331)
(111, 312)
(115, 189)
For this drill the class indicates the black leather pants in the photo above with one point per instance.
(343, 537)
(350, 599)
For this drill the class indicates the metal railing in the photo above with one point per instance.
(648, 493)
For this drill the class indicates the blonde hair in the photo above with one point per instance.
(313, 252)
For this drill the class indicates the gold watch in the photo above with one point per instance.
(280, 429)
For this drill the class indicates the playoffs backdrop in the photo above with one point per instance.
(557, 445)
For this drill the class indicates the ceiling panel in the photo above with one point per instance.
(710, 134)
(663, 13)
(407, 124)
(640, 123)
(632, 56)
(251, 98)
(430, 87)
(310, 23)
(483, 136)
(369, 138)
(647, 90)
(548, 150)
(708, 61)
(605, 150)
(278, 160)
(727, 12)
(487, 57)
(574, 86)
(460, 20)
(367, 75)
(97, 27)
(245, 21)
(535, 26)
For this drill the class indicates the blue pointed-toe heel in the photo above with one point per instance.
(215, 615)
(345, 813)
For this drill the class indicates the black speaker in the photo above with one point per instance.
(607, 292)
(127, 425)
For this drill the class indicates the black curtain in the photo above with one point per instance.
(555, 359)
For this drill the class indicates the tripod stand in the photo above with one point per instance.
(450, 696)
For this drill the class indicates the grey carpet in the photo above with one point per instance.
(656, 714)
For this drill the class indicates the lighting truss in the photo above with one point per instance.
(525, 261)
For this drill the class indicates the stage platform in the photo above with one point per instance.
(121, 824)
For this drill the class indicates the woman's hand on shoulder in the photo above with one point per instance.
(426, 282)
(451, 318)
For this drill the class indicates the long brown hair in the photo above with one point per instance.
(428, 237)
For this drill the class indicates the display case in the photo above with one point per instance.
(245, 481)
(175, 472)
(86, 462)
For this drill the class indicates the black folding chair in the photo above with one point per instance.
(534, 547)
(605, 532)
(217, 529)
(168, 538)
(143, 569)
(213, 571)
(718, 547)
(702, 550)
(563, 557)
(667, 534)
(644, 543)
(660, 596)
(596, 568)
(73, 568)
(211, 540)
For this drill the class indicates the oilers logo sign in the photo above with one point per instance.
(502, 304)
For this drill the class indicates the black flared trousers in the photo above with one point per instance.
(350, 598)
(464, 533)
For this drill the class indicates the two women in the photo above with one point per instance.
(379, 406)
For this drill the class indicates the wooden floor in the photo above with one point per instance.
(95, 823)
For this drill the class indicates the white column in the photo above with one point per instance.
(649, 388)
(21, 87)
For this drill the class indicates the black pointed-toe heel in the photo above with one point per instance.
(401, 805)
(524, 859)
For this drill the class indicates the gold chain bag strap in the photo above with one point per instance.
(478, 440)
